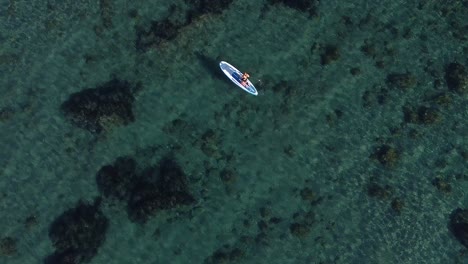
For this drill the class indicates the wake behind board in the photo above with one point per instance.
(235, 76)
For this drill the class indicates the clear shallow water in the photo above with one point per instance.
(312, 127)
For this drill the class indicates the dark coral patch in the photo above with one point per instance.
(329, 55)
(69, 256)
(77, 234)
(160, 31)
(442, 185)
(306, 6)
(145, 192)
(299, 230)
(201, 7)
(397, 205)
(303, 222)
(228, 176)
(8, 246)
(169, 28)
(225, 255)
(369, 49)
(115, 180)
(210, 142)
(171, 180)
(441, 99)
(177, 127)
(144, 201)
(375, 96)
(378, 191)
(457, 78)
(99, 109)
(107, 12)
(386, 155)
(158, 190)
(401, 80)
(459, 225)
(422, 115)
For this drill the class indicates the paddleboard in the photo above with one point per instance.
(235, 76)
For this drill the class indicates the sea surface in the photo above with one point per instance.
(354, 151)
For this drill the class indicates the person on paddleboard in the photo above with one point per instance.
(244, 78)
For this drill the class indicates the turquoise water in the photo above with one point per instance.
(301, 156)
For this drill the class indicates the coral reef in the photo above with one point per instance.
(114, 181)
(160, 31)
(374, 97)
(422, 115)
(459, 225)
(225, 255)
(442, 185)
(378, 191)
(456, 77)
(306, 6)
(200, 7)
(31, 221)
(401, 80)
(168, 28)
(154, 188)
(107, 12)
(99, 109)
(302, 224)
(330, 54)
(228, 176)
(397, 205)
(158, 190)
(210, 142)
(6, 114)
(8, 246)
(77, 234)
(386, 155)
(308, 195)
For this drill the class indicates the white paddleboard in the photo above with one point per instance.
(235, 76)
